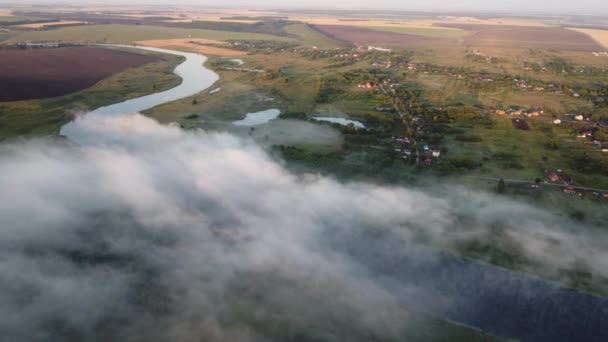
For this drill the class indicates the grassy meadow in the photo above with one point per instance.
(421, 31)
(13, 18)
(310, 37)
(527, 152)
(130, 33)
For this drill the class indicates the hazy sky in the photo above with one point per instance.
(519, 6)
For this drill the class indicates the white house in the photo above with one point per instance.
(376, 48)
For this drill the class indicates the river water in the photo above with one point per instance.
(492, 299)
(258, 118)
(195, 78)
(495, 300)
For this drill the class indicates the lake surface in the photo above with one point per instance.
(195, 78)
(258, 118)
(339, 121)
(493, 299)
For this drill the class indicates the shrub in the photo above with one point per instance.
(468, 138)
(463, 163)
(293, 115)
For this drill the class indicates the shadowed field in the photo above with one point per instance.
(359, 35)
(552, 38)
(600, 36)
(132, 33)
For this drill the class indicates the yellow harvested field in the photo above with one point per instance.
(213, 19)
(178, 21)
(161, 42)
(229, 20)
(186, 14)
(55, 23)
(365, 22)
(492, 21)
(144, 16)
(6, 13)
(192, 45)
(428, 24)
(600, 36)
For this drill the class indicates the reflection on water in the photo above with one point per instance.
(259, 118)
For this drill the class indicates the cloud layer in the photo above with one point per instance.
(148, 232)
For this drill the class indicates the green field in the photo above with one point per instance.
(294, 88)
(45, 117)
(527, 151)
(310, 37)
(425, 32)
(128, 34)
(216, 110)
(12, 19)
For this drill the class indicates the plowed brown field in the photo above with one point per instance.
(42, 73)
(364, 36)
(527, 37)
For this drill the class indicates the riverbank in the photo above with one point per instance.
(46, 116)
(195, 78)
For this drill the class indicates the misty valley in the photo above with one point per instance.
(181, 172)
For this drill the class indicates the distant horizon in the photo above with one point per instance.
(474, 7)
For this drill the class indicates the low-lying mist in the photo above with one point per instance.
(147, 232)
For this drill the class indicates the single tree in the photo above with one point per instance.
(501, 186)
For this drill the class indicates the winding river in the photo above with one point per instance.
(492, 299)
(195, 78)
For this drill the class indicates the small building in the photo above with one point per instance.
(554, 177)
(436, 154)
(579, 117)
(376, 48)
(557, 122)
(570, 190)
(368, 85)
